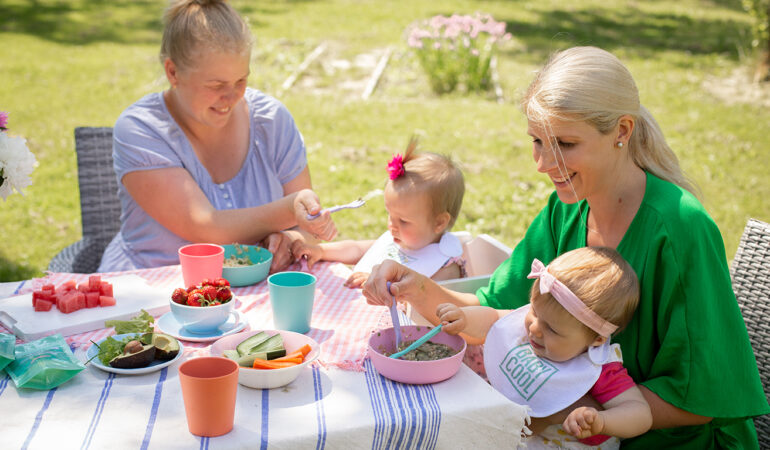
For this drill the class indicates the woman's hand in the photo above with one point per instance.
(279, 244)
(584, 422)
(452, 318)
(406, 284)
(312, 252)
(307, 203)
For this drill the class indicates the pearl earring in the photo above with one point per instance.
(619, 144)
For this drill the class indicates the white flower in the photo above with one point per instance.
(16, 165)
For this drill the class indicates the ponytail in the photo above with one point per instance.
(649, 150)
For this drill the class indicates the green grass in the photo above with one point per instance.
(68, 63)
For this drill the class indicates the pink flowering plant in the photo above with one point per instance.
(16, 161)
(456, 51)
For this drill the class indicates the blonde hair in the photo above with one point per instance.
(598, 276)
(433, 174)
(192, 26)
(592, 85)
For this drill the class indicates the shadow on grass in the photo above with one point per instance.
(645, 33)
(79, 22)
(13, 271)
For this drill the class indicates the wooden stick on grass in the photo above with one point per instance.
(375, 78)
(303, 66)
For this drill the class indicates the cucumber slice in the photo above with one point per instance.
(249, 344)
(272, 343)
(232, 354)
(248, 360)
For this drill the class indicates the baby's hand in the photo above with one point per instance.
(356, 280)
(322, 227)
(313, 252)
(584, 422)
(452, 318)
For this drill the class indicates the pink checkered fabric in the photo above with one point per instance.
(342, 320)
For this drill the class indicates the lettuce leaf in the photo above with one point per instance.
(139, 324)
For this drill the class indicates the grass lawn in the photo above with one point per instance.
(68, 63)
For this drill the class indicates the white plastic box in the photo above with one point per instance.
(482, 254)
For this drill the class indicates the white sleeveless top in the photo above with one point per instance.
(526, 379)
(427, 260)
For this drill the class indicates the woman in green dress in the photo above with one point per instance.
(619, 185)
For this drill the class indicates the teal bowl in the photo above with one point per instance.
(251, 274)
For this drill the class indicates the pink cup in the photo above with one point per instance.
(200, 261)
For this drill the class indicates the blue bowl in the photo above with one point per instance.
(261, 259)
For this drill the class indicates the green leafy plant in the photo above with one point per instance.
(456, 51)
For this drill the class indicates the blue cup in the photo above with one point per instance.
(291, 295)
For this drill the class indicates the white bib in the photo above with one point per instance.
(427, 260)
(526, 379)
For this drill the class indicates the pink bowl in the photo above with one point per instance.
(414, 372)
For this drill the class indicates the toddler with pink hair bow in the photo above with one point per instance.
(550, 353)
(423, 195)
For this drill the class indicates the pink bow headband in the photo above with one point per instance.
(570, 301)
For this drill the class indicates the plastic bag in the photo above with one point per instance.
(44, 363)
(7, 343)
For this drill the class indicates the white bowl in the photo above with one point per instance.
(202, 319)
(269, 378)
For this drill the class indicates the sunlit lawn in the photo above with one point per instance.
(71, 63)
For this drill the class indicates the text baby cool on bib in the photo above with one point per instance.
(545, 386)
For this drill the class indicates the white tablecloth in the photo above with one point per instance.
(326, 407)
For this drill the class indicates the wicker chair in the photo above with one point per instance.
(750, 272)
(99, 203)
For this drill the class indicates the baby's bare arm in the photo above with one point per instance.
(474, 321)
(626, 415)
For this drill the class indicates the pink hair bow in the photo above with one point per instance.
(396, 166)
(570, 301)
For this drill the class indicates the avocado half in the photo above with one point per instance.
(141, 358)
(166, 347)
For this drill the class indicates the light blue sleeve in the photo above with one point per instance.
(278, 136)
(141, 142)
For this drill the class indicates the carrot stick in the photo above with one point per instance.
(305, 349)
(295, 360)
(262, 364)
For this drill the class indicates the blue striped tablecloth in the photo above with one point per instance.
(326, 407)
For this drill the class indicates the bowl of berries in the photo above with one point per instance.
(202, 308)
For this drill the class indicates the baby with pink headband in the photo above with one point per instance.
(423, 195)
(550, 353)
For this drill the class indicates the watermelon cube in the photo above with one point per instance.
(68, 302)
(48, 287)
(106, 289)
(43, 305)
(81, 298)
(83, 287)
(92, 299)
(94, 283)
(105, 300)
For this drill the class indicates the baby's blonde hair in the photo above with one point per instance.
(598, 276)
(194, 26)
(592, 85)
(436, 175)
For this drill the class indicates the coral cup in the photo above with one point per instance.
(209, 386)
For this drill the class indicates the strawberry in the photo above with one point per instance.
(195, 298)
(209, 292)
(224, 295)
(220, 283)
(206, 282)
(179, 296)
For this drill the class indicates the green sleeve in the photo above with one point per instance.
(689, 341)
(509, 286)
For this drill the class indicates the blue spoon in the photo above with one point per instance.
(417, 343)
(394, 318)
